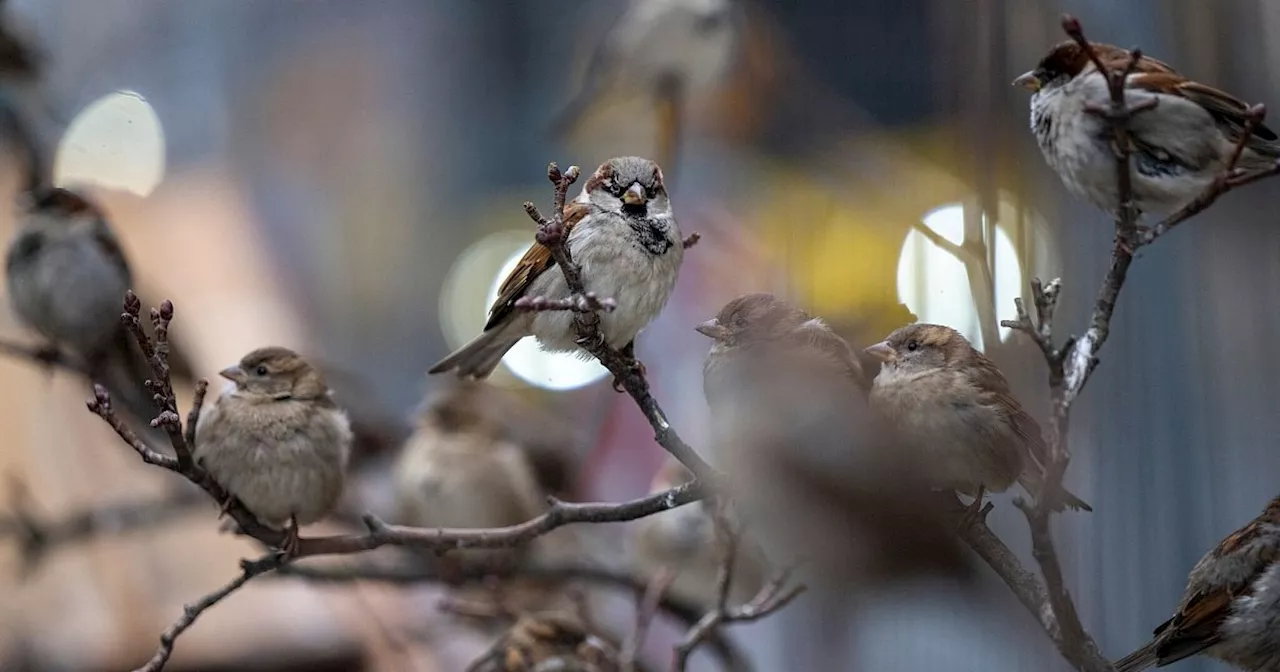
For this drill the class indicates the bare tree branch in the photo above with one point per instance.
(190, 612)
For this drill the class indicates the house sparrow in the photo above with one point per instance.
(550, 640)
(275, 440)
(812, 467)
(457, 470)
(1231, 608)
(67, 278)
(685, 540)
(950, 402)
(625, 239)
(1180, 146)
(656, 46)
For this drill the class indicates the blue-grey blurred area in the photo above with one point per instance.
(369, 145)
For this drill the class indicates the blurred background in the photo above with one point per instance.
(346, 179)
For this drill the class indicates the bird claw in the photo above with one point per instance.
(975, 513)
(291, 543)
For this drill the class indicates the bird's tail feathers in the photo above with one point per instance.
(480, 357)
(1034, 485)
(1139, 660)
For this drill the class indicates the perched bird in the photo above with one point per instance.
(1180, 146)
(685, 540)
(275, 440)
(950, 402)
(810, 464)
(662, 48)
(550, 640)
(457, 470)
(1231, 608)
(67, 278)
(621, 232)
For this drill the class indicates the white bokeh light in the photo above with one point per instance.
(116, 142)
(472, 286)
(530, 363)
(933, 283)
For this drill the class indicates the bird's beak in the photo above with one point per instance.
(234, 374)
(1028, 81)
(882, 351)
(711, 329)
(635, 196)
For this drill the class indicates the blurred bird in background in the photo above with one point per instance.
(67, 276)
(465, 467)
(951, 403)
(664, 50)
(685, 540)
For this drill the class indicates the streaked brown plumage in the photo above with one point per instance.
(1180, 146)
(1231, 607)
(951, 403)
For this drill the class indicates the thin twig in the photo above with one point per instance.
(646, 609)
(38, 537)
(771, 598)
(578, 303)
(190, 612)
(678, 608)
(1228, 180)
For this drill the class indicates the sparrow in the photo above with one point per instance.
(623, 235)
(275, 440)
(1179, 147)
(685, 540)
(951, 403)
(550, 640)
(67, 277)
(660, 48)
(458, 470)
(1231, 608)
(810, 464)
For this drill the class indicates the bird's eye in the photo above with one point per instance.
(613, 187)
(913, 346)
(261, 370)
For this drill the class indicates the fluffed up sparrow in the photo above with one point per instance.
(951, 403)
(623, 235)
(275, 440)
(811, 465)
(457, 470)
(550, 640)
(684, 540)
(1231, 608)
(684, 44)
(1180, 146)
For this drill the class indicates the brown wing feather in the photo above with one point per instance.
(1194, 628)
(534, 262)
(1224, 107)
(994, 383)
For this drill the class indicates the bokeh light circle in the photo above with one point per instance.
(117, 142)
(934, 285)
(472, 286)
